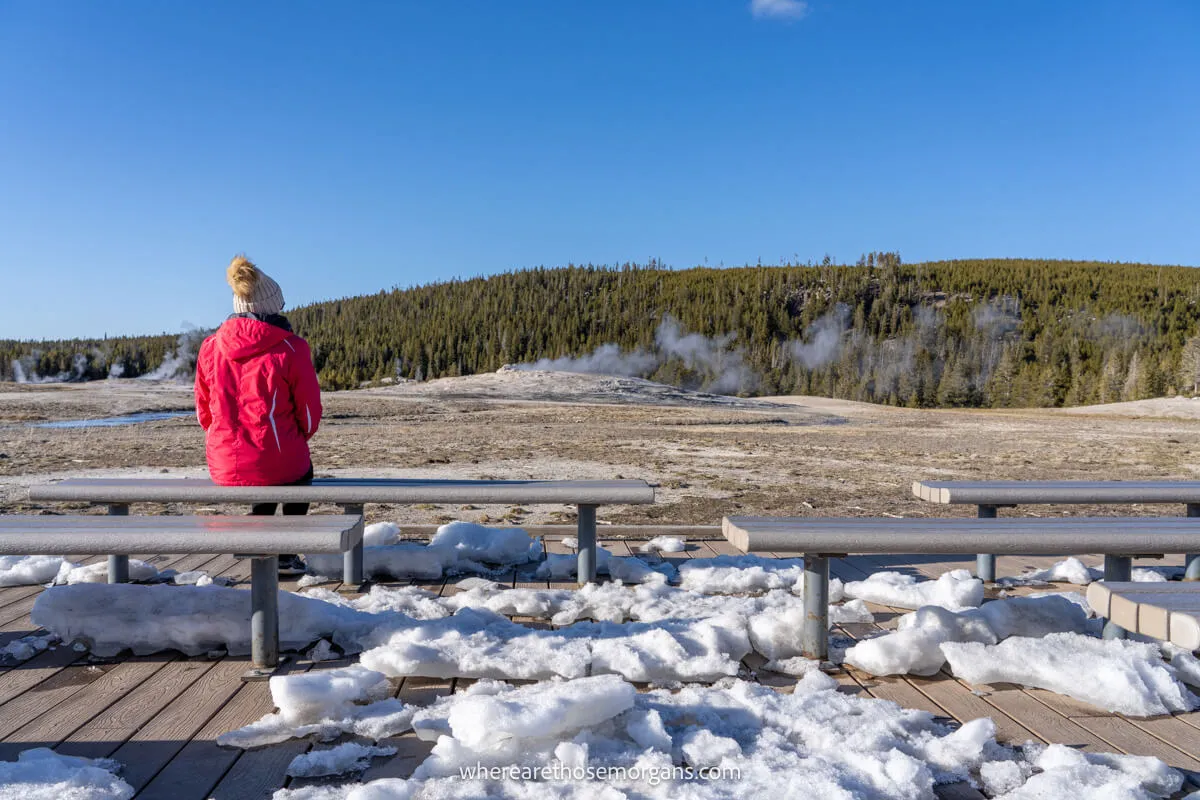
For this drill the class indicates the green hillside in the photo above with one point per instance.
(956, 333)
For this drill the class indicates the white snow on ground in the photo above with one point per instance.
(456, 548)
(326, 704)
(644, 627)
(346, 757)
(1124, 677)
(68, 573)
(42, 774)
(954, 590)
(737, 574)
(1072, 570)
(915, 646)
(663, 544)
(597, 738)
(28, 570)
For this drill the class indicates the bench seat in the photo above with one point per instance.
(1124, 536)
(1166, 611)
(67, 534)
(261, 538)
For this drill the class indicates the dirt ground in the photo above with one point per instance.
(706, 456)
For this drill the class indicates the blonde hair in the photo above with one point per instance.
(242, 276)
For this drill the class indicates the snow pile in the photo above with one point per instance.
(198, 578)
(597, 738)
(476, 643)
(347, 757)
(663, 544)
(1120, 676)
(561, 567)
(42, 774)
(954, 590)
(1072, 570)
(649, 632)
(28, 570)
(326, 704)
(915, 646)
(109, 618)
(456, 548)
(70, 574)
(1067, 772)
(739, 574)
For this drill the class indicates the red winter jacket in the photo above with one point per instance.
(258, 400)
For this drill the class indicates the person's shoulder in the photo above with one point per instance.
(297, 344)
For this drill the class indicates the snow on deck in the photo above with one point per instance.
(160, 715)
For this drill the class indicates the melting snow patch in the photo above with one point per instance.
(42, 774)
(29, 570)
(68, 573)
(456, 548)
(740, 574)
(1120, 676)
(915, 646)
(326, 704)
(663, 544)
(26, 647)
(597, 738)
(954, 590)
(348, 757)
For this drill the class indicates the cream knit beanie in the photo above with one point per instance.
(253, 289)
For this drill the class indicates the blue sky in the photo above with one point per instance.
(349, 148)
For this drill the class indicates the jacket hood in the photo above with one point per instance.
(240, 338)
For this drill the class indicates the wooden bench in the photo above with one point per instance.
(1166, 611)
(261, 539)
(988, 496)
(1120, 539)
(353, 493)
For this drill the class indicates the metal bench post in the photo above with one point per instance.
(1116, 569)
(353, 574)
(814, 635)
(1192, 573)
(586, 563)
(264, 612)
(985, 564)
(118, 566)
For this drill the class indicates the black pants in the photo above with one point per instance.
(289, 509)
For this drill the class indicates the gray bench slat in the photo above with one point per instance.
(1013, 536)
(1039, 492)
(348, 491)
(64, 535)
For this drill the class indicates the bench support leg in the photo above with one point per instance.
(814, 636)
(352, 559)
(1192, 573)
(985, 564)
(264, 612)
(586, 564)
(118, 566)
(1116, 568)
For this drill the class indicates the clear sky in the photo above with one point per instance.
(352, 147)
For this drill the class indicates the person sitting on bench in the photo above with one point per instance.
(257, 396)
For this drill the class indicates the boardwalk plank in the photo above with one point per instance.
(201, 764)
(62, 721)
(155, 744)
(108, 730)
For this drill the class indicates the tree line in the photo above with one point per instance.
(967, 333)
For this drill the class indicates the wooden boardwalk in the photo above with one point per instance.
(160, 715)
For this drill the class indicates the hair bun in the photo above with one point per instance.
(242, 276)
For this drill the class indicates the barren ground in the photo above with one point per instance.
(707, 456)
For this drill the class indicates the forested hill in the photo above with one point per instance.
(954, 333)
